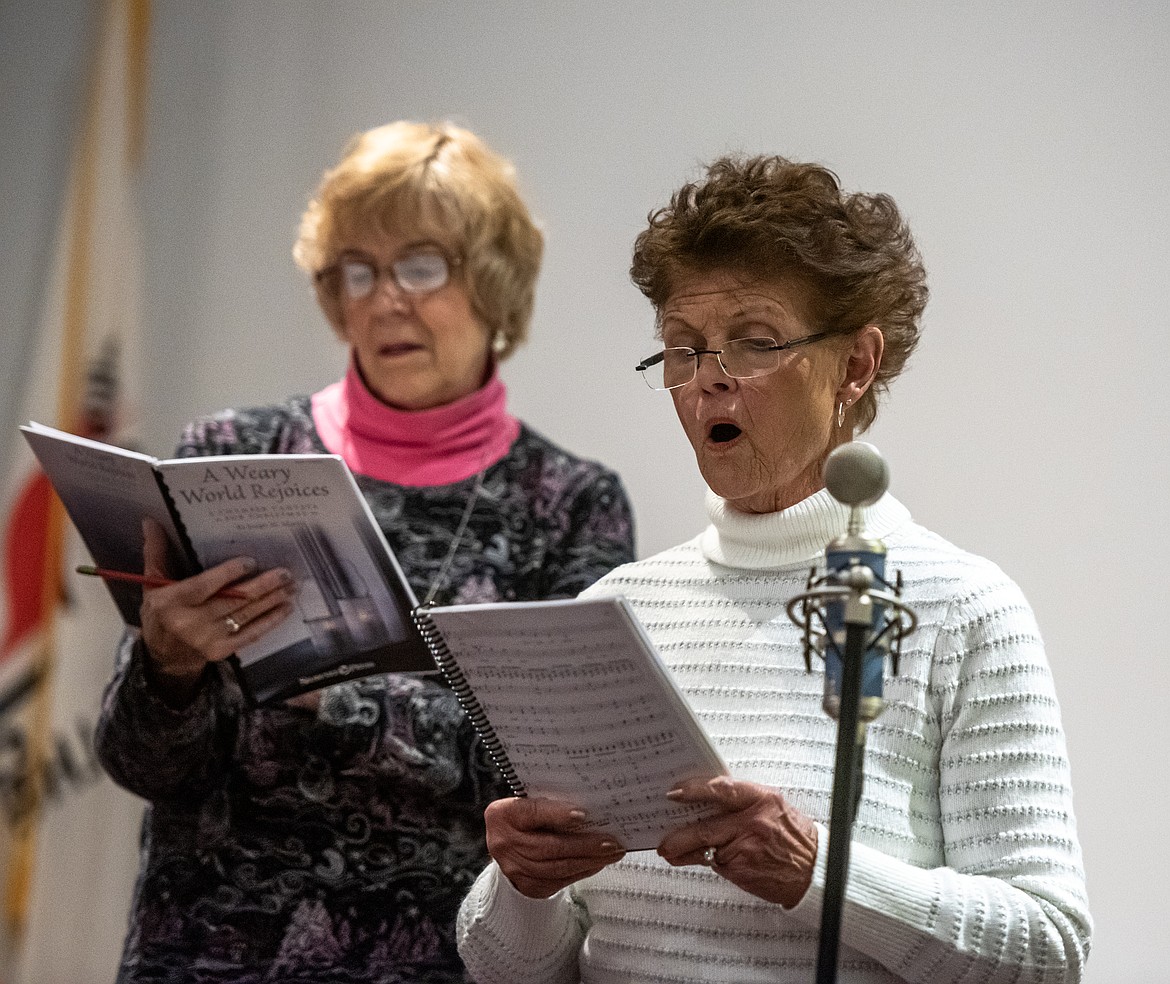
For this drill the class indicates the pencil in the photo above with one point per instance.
(146, 580)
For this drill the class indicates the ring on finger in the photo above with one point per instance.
(232, 625)
(709, 856)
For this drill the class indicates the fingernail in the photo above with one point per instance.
(285, 576)
(674, 794)
(576, 814)
(612, 847)
(249, 564)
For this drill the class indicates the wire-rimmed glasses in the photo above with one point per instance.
(740, 358)
(357, 276)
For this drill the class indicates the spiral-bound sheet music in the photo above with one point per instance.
(574, 703)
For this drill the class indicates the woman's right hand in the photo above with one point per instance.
(186, 626)
(540, 846)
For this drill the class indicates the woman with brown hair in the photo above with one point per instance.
(785, 306)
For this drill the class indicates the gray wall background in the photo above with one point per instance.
(1026, 142)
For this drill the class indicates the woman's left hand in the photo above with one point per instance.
(759, 841)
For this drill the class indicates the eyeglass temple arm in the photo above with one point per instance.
(657, 357)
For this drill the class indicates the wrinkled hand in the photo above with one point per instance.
(185, 626)
(541, 847)
(761, 843)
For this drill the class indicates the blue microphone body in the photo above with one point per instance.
(840, 555)
(856, 476)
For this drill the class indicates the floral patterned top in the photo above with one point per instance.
(285, 844)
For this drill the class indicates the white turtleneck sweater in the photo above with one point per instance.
(965, 865)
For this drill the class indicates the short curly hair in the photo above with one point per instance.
(778, 220)
(431, 179)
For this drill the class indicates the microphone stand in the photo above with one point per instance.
(847, 773)
(852, 587)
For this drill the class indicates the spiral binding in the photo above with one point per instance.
(466, 697)
(194, 561)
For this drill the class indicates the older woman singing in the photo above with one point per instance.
(332, 837)
(785, 308)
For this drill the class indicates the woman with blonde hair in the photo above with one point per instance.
(331, 837)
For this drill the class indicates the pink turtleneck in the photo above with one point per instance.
(414, 447)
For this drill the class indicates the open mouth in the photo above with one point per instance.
(399, 348)
(722, 433)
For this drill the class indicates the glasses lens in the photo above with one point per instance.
(420, 273)
(357, 278)
(669, 368)
(747, 357)
(678, 367)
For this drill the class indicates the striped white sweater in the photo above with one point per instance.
(965, 864)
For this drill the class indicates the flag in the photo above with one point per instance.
(68, 836)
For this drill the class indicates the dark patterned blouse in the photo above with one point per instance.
(283, 844)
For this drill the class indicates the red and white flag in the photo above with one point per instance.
(68, 836)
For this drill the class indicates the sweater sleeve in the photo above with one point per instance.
(505, 937)
(157, 751)
(1010, 903)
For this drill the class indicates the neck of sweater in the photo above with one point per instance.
(796, 535)
(438, 446)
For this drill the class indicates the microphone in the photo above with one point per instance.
(853, 591)
(858, 622)
(856, 475)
